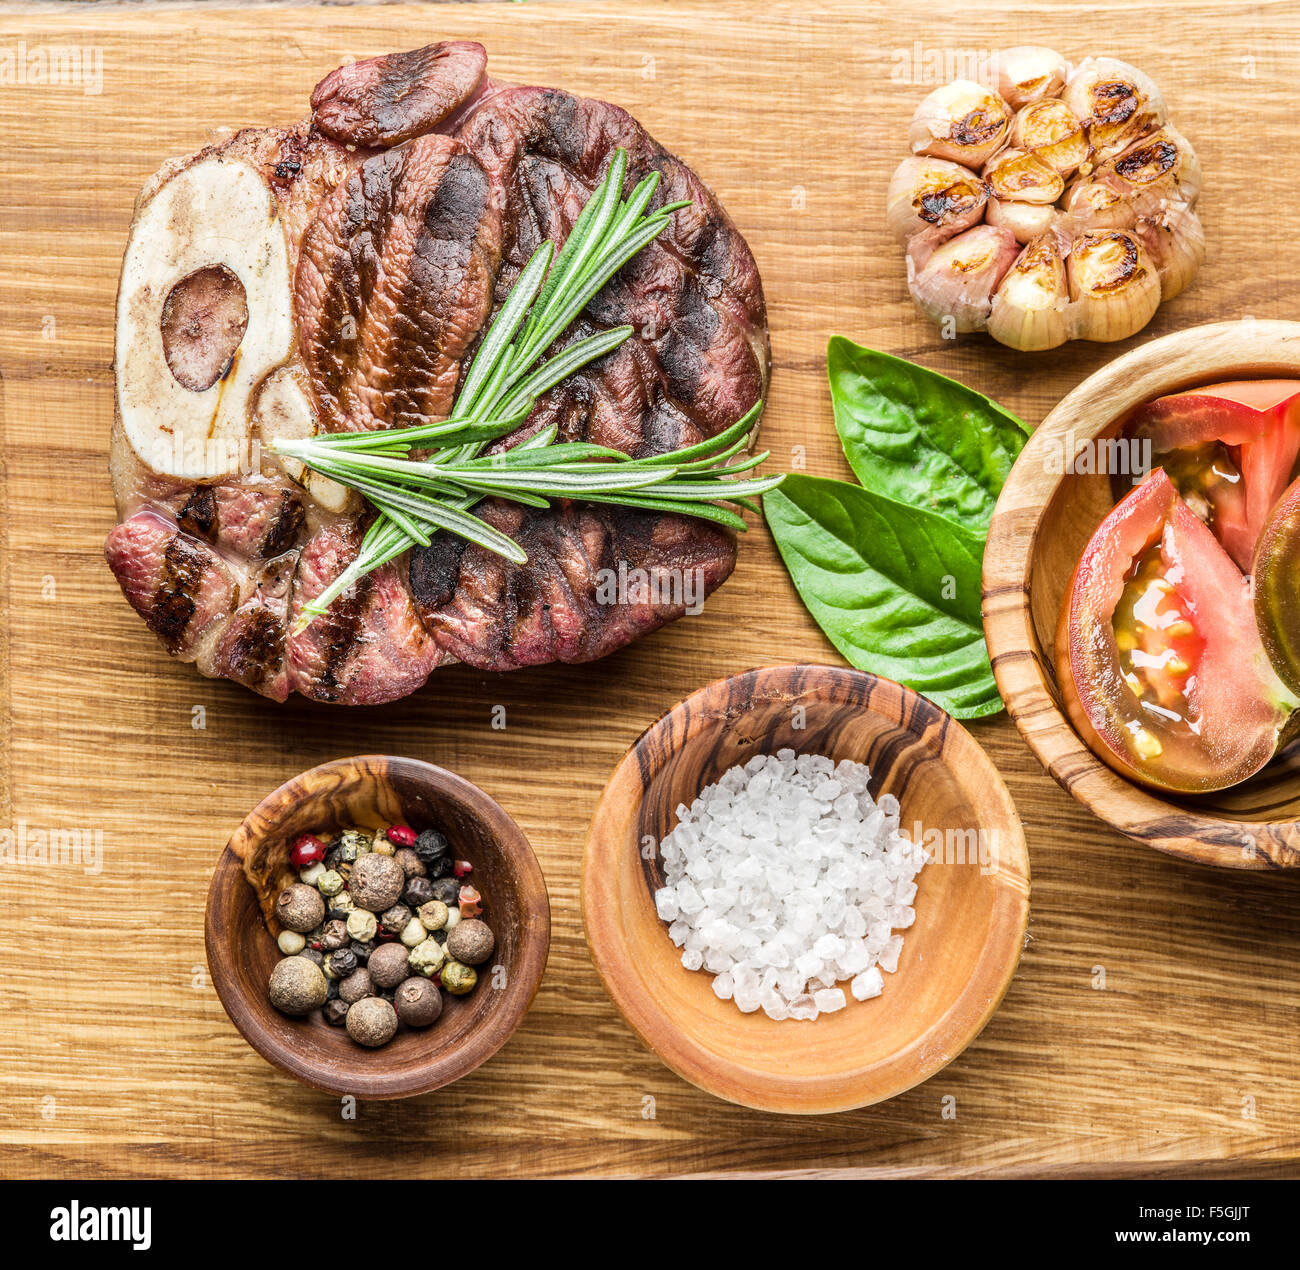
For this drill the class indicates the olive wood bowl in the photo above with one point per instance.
(1042, 522)
(958, 957)
(373, 792)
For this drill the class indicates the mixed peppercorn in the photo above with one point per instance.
(376, 928)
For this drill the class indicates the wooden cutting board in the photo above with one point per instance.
(1153, 1022)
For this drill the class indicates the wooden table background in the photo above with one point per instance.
(115, 1056)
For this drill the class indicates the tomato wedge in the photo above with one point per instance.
(1277, 587)
(1158, 654)
(1230, 449)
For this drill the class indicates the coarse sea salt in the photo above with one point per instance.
(786, 879)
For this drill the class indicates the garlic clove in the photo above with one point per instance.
(1024, 177)
(962, 121)
(1116, 103)
(954, 287)
(935, 197)
(1174, 238)
(1093, 204)
(1050, 130)
(1026, 220)
(1029, 308)
(1114, 287)
(1162, 165)
(1029, 73)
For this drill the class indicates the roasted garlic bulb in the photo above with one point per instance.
(1046, 202)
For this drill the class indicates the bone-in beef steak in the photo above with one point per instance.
(400, 215)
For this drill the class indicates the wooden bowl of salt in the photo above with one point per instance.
(972, 902)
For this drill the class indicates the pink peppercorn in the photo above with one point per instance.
(470, 902)
(306, 851)
(400, 835)
(462, 868)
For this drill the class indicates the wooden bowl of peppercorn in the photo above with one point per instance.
(373, 792)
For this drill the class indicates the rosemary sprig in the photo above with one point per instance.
(416, 497)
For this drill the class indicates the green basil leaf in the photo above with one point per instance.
(918, 437)
(895, 588)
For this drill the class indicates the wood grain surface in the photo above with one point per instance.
(1152, 1023)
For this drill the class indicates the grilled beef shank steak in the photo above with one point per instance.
(338, 274)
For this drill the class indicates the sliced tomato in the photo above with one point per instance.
(1230, 449)
(1277, 587)
(1157, 651)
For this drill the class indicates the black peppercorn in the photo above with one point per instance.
(393, 920)
(332, 991)
(334, 935)
(441, 867)
(448, 891)
(336, 1012)
(360, 951)
(313, 954)
(418, 891)
(341, 963)
(429, 846)
(439, 936)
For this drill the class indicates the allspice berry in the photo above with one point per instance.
(471, 942)
(377, 881)
(297, 986)
(458, 978)
(371, 1021)
(299, 908)
(356, 986)
(418, 1002)
(388, 964)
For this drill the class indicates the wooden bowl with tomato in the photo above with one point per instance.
(1142, 594)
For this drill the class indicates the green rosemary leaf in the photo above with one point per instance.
(565, 362)
(504, 325)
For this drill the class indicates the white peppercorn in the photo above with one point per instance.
(453, 919)
(311, 874)
(362, 925)
(413, 933)
(291, 942)
(434, 915)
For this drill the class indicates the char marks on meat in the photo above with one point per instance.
(578, 597)
(394, 281)
(178, 584)
(410, 201)
(387, 100)
(369, 646)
